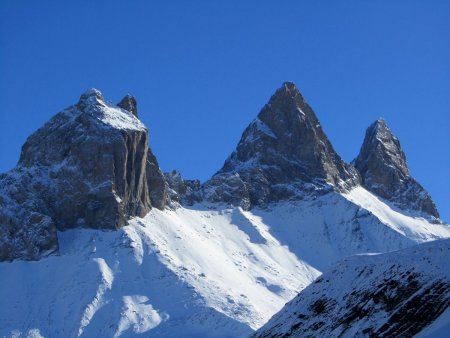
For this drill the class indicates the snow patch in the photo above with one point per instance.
(138, 315)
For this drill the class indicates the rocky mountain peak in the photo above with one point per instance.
(381, 141)
(89, 166)
(129, 103)
(282, 154)
(90, 96)
(287, 89)
(384, 171)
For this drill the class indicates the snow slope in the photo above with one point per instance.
(395, 294)
(407, 223)
(208, 270)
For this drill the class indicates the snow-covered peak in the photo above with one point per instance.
(120, 118)
(92, 108)
(88, 166)
(90, 96)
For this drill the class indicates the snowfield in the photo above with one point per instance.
(201, 271)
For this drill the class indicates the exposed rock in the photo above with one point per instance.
(25, 230)
(283, 154)
(129, 103)
(183, 191)
(382, 165)
(89, 166)
(389, 295)
(156, 182)
(155, 178)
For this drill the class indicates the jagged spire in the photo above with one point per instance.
(284, 145)
(381, 145)
(382, 165)
(129, 103)
(90, 96)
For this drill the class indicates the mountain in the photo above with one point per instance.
(283, 154)
(382, 165)
(396, 294)
(121, 249)
(89, 166)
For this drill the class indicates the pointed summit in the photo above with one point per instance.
(382, 165)
(379, 137)
(287, 89)
(129, 103)
(90, 96)
(91, 93)
(282, 154)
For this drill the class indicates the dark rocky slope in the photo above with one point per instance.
(382, 165)
(183, 191)
(89, 166)
(395, 294)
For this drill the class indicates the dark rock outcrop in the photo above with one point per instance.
(283, 154)
(156, 182)
(395, 294)
(382, 165)
(26, 231)
(129, 103)
(89, 166)
(183, 191)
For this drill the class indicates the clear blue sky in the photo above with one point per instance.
(201, 71)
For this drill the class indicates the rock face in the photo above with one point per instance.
(156, 182)
(89, 166)
(389, 295)
(283, 154)
(26, 231)
(183, 191)
(129, 103)
(382, 165)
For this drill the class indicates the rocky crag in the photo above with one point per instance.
(89, 166)
(283, 154)
(382, 165)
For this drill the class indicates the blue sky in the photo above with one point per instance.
(202, 70)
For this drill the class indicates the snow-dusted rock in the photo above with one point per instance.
(183, 191)
(382, 165)
(89, 166)
(395, 294)
(283, 154)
